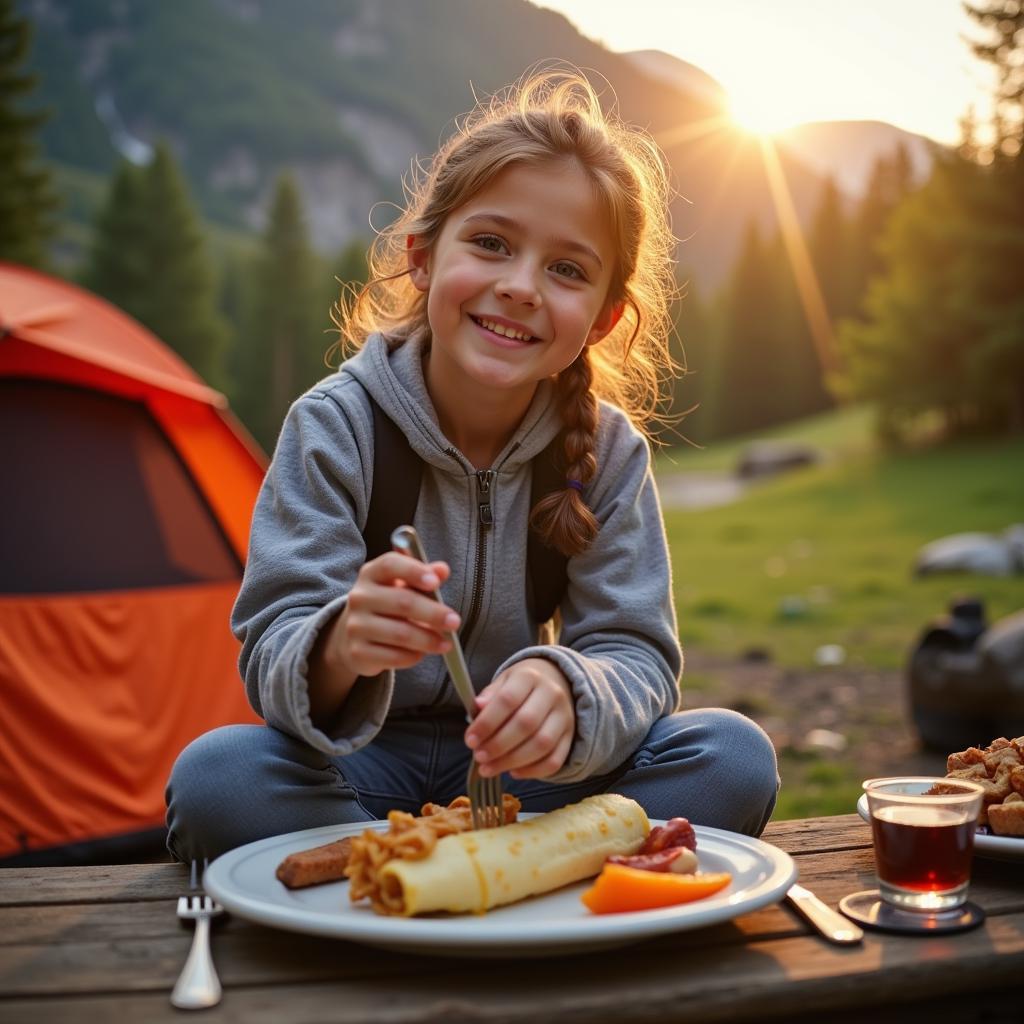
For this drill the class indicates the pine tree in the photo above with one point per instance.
(944, 324)
(282, 351)
(148, 257)
(997, 283)
(805, 343)
(944, 329)
(890, 182)
(1003, 48)
(27, 200)
(830, 252)
(118, 261)
(179, 301)
(752, 382)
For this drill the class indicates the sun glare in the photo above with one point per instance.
(758, 115)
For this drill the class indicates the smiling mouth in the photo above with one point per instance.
(502, 330)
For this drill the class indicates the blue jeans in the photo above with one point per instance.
(241, 783)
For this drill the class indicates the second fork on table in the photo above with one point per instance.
(198, 985)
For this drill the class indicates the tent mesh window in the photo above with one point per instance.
(96, 498)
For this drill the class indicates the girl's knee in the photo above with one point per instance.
(754, 781)
(725, 755)
(737, 736)
(212, 778)
(210, 762)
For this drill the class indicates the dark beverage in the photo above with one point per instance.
(926, 849)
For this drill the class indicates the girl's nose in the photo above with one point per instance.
(518, 284)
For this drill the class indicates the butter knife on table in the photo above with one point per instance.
(828, 922)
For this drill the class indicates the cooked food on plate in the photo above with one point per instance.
(409, 839)
(619, 888)
(999, 768)
(327, 863)
(475, 871)
(314, 867)
(437, 862)
(662, 874)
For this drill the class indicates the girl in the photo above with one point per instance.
(520, 299)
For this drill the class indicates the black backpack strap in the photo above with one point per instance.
(397, 473)
(547, 575)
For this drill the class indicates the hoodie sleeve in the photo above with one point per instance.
(619, 646)
(305, 550)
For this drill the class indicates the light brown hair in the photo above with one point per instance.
(548, 115)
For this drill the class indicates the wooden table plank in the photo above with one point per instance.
(784, 978)
(816, 835)
(146, 955)
(300, 1006)
(96, 947)
(119, 883)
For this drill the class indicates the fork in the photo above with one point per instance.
(198, 985)
(486, 799)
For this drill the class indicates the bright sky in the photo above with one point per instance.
(784, 62)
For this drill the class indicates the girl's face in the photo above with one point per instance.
(517, 282)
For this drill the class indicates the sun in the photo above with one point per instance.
(758, 114)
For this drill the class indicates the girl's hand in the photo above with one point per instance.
(389, 620)
(526, 721)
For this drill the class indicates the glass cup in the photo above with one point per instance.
(923, 840)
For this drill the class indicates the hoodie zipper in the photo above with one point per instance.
(485, 520)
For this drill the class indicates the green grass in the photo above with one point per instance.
(825, 555)
(814, 788)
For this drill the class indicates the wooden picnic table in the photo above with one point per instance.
(103, 944)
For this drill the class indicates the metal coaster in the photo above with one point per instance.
(868, 908)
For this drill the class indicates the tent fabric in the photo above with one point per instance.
(128, 493)
(100, 693)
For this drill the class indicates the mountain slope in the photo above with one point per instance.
(847, 150)
(345, 93)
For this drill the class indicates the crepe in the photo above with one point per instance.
(471, 872)
(410, 838)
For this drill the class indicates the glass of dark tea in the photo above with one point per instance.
(923, 834)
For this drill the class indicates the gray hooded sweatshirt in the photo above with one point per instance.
(617, 645)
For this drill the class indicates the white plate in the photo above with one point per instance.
(243, 880)
(996, 847)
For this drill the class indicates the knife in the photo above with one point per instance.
(829, 923)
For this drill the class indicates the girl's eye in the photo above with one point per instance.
(566, 269)
(490, 243)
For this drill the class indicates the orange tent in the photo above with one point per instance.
(127, 493)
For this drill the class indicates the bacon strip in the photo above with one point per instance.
(675, 832)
